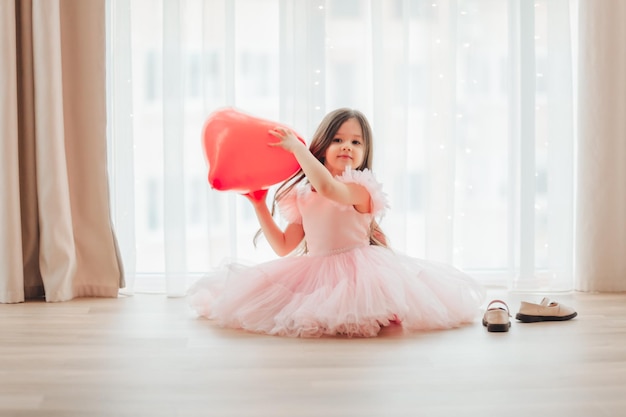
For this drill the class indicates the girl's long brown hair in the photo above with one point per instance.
(322, 139)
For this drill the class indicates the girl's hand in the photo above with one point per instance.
(288, 139)
(256, 197)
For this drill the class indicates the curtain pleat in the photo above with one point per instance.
(601, 203)
(173, 158)
(33, 284)
(57, 255)
(68, 244)
(11, 284)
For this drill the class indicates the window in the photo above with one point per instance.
(471, 110)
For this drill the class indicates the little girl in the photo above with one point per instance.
(342, 279)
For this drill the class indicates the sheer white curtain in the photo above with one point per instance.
(471, 102)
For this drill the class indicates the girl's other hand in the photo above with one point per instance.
(288, 139)
(256, 197)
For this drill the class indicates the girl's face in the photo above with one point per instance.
(347, 148)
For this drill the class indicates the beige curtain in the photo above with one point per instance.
(57, 240)
(601, 206)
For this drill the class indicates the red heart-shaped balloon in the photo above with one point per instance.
(238, 155)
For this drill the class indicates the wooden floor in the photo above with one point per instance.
(148, 355)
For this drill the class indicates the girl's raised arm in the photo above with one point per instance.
(319, 176)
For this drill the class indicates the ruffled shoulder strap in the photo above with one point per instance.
(366, 179)
(288, 206)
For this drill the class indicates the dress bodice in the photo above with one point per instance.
(330, 227)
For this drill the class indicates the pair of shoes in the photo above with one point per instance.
(496, 318)
(547, 310)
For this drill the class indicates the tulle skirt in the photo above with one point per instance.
(352, 293)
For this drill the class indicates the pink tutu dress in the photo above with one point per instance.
(343, 285)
